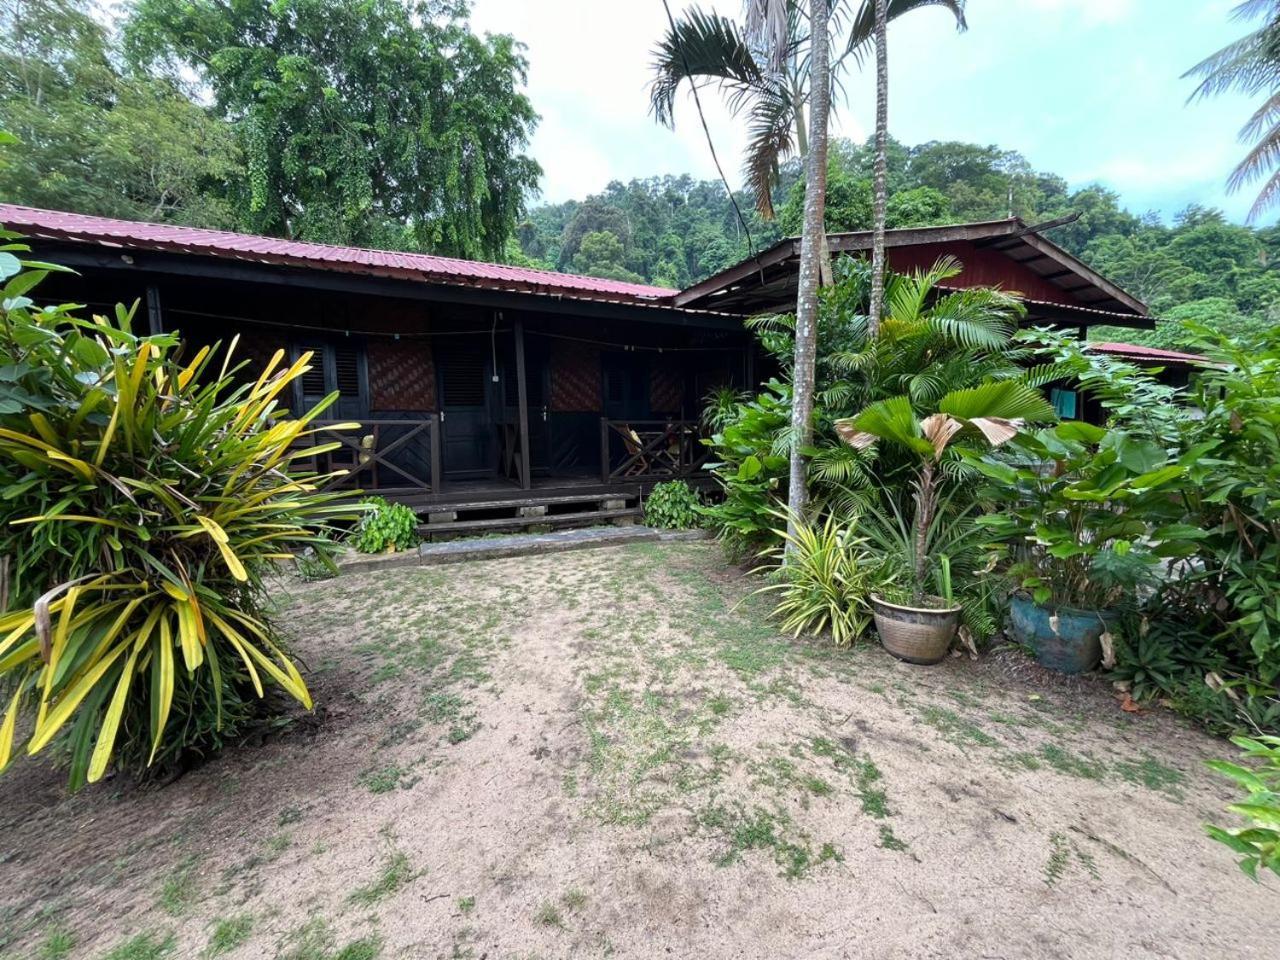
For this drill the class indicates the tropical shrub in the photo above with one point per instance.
(1079, 512)
(825, 583)
(385, 527)
(988, 415)
(1259, 843)
(750, 463)
(1233, 493)
(673, 505)
(931, 342)
(145, 500)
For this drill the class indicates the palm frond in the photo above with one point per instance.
(1004, 399)
(703, 46)
(771, 139)
(862, 30)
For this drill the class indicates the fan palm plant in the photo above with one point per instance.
(990, 414)
(1251, 65)
(763, 73)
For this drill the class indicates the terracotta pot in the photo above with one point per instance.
(915, 634)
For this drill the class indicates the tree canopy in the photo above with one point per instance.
(383, 122)
(97, 138)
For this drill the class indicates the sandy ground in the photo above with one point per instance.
(610, 753)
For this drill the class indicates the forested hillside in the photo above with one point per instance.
(676, 230)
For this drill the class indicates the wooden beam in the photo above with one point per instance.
(526, 482)
(212, 268)
(1055, 252)
(725, 278)
(155, 318)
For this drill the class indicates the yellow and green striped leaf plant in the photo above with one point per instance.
(145, 496)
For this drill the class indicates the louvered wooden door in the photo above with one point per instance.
(467, 426)
(336, 366)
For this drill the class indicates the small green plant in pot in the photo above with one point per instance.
(1079, 520)
(921, 628)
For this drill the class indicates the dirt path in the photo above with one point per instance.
(611, 754)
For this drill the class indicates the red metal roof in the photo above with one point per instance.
(129, 234)
(1133, 351)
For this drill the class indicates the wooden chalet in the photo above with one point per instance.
(490, 395)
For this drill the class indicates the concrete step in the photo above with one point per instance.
(507, 523)
(513, 503)
(535, 544)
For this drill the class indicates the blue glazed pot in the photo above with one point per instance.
(1073, 647)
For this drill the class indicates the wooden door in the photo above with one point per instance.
(467, 432)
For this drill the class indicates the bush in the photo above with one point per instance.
(145, 501)
(673, 505)
(826, 580)
(385, 527)
(1259, 843)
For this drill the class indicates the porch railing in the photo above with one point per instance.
(387, 456)
(650, 449)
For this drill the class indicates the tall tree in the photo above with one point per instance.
(1251, 65)
(813, 248)
(381, 123)
(878, 12)
(766, 76)
(98, 139)
(880, 180)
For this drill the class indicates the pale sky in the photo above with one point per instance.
(1089, 89)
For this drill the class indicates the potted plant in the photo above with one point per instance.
(917, 624)
(1079, 519)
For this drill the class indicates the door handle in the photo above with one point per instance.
(544, 414)
(442, 416)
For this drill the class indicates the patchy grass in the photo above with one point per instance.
(180, 890)
(549, 915)
(229, 933)
(57, 944)
(393, 776)
(1154, 775)
(144, 946)
(315, 940)
(396, 873)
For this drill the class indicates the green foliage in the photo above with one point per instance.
(1233, 492)
(386, 123)
(825, 583)
(146, 500)
(673, 505)
(385, 527)
(1086, 533)
(1259, 843)
(600, 255)
(931, 342)
(98, 139)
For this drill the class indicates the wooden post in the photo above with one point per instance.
(523, 392)
(604, 449)
(155, 319)
(436, 426)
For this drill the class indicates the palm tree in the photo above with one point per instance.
(990, 413)
(880, 187)
(1251, 66)
(763, 71)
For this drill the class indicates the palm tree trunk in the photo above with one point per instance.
(881, 173)
(926, 504)
(811, 246)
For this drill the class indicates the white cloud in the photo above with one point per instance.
(589, 72)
